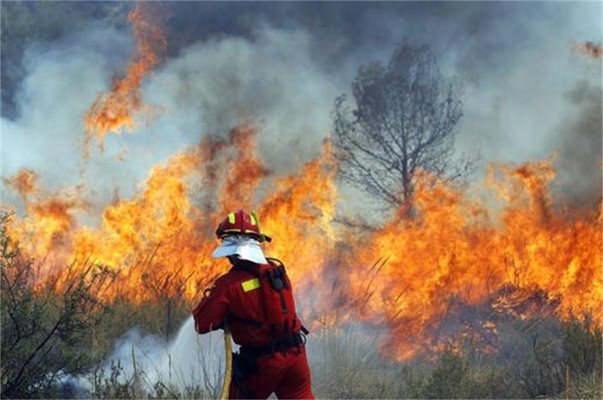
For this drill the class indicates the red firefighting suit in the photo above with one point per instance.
(265, 364)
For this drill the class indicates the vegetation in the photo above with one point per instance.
(62, 329)
(403, 122)
(350, 368)
(45, 331)
(115, 385)
(51, 334)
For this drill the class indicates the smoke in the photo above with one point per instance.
(520, 67)
(192, 361)
(187, 361)
(282, 66)
(61, 82)
(580, 166)
(211, 87)
(271, 81)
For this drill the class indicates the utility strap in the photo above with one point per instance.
(245, 321)
(276, 346)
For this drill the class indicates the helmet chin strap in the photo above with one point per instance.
(234, 259)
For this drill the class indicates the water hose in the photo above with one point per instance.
(227, 363)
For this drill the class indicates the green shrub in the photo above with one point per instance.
(582, 348)
(541, 371)
(448, 378)
(582, 354)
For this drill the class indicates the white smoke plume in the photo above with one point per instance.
(211, 87)
(192, 361)
(189, 360)
(515, 61)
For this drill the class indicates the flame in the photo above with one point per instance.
(453, 249)
(589, 49)
(114, 111)
(49, 218)
(509, 250)
(513, 252)
(25, 182)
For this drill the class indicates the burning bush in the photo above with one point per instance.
(47, 332)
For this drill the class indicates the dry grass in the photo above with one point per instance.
(346, 363)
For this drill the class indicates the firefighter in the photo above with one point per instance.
(255, 299)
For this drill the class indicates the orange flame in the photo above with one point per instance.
(590, 49)
(406, 275)
(453, 249)
(113, 111)
(25, 182)
(49, 219)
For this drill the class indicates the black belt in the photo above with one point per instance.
(294, 340)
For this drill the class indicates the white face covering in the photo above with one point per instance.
(243, 246)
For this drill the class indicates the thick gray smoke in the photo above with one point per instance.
(580, 141)
(282, 66)
(271, 81)
(210, 88)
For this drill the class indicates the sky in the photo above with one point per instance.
(527, 95)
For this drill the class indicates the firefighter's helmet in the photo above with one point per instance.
(241, 223)
(241, 236)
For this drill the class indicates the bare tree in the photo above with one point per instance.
(404, 121)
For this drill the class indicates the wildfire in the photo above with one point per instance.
(114, 111)
(515, 254)
(455, 250)
(44, 232)
(406, 275)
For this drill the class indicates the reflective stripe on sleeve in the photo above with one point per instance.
(250, 285)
